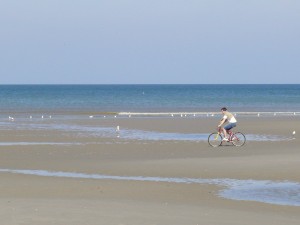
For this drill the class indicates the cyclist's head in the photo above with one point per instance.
(224, 109)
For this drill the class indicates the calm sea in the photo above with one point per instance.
(147, 98)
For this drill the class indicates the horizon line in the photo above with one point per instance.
(151, 84)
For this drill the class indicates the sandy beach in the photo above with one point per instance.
(36, 200)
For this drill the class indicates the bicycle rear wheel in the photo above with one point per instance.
(238, 139)
(215, 139)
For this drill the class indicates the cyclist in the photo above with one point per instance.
(228, 117)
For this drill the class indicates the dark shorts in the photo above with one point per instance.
(230, 126)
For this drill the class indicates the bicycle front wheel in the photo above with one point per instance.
(214, 139)
(238, 139)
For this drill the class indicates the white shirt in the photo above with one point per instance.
(231, 120)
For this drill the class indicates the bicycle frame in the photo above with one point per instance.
(230, 133)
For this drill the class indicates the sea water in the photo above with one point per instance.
(65, 102)
(148, 98)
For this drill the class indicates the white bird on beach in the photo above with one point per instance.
(294, 132)
(11, 118)
(91, 117)
(118, 131)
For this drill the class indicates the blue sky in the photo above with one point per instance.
(143, 41)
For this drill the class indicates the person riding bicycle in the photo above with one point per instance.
(228, 117)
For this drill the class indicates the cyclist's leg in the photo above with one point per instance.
(225, 133)
(227, 128)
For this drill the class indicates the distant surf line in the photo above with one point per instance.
(49, 115)
(203, 113)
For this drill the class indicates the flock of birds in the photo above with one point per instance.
(10, 118)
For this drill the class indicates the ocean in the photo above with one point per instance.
(148, 98)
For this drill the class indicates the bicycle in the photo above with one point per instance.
(215, 139)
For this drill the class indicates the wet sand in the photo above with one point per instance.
(29, 199)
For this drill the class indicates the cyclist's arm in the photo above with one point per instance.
(222, 121)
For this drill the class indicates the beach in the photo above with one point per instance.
(54, 174)
(109, 113)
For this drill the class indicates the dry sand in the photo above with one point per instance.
(37, 200)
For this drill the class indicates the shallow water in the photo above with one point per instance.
(157, 136)
(124, 133)
(266, 191)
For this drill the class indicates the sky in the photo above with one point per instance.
(149, 41)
